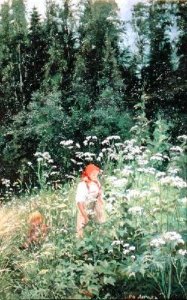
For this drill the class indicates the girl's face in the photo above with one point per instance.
(94, 174)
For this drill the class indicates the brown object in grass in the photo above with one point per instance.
(37, 229)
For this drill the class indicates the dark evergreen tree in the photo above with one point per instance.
(5, 91)
(36, 55)
(61, 50)
(13, 42)
(181, 72)
(158, 75)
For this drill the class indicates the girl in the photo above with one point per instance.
(89, 198)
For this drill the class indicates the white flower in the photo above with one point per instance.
(160, 174)
(135, 210)
(156, 157)
(66, 143)
(173, 236)
(142, 162)
(39, 159)
(126, 251)
(182, 137)
(117, 242)
(182, 252)
(132, 248)
(46, 155)
(174, 181)
(126, 171)
(50, 161)
(176, 149)
(183, 200)
(157, 242)
(120, 182)
(77, 145)
(38, 154)
(132, 194)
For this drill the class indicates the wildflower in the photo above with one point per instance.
(129, 156)
(43, 271)
(157, 242)
(135, 210)
(126, 171)
(157, 157)
(29, 163)
(160, 174)
(132, 194)
(134, 128)
(5, 182)
(142, 162)
(117, 242)
(132, 248)
(173, 171)
(182, 137)
(109, 207)
(50, 161)
(120, 182)
(126, 251)
(183, 200)
(46, 155)
(173, 236)
(174, 181)
(37, 154)
(39, 159)
(77, 145)
(182, 252)
(66, 143)
(176, 149)
(133, 257)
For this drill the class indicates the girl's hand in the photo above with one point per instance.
(86, 220)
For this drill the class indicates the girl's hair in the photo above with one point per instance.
(88, 170)
(35, 216)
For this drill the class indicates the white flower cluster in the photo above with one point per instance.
(126, 171)
(43, 156)
(182, 252)
(85, 156)
(90, 140)
(148, 170)
(110, 138)
(182, 137)
(173, 171)
(167, 237)
(5, 182)
(67, 144)
(183, 200)
(132, 194)
(127, 248)
(176, 149)
(135, 210)
(157, 156)
(174, 181)
(120, 182)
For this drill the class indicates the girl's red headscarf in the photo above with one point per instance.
(88, 170)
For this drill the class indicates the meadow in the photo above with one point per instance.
(138, 253)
